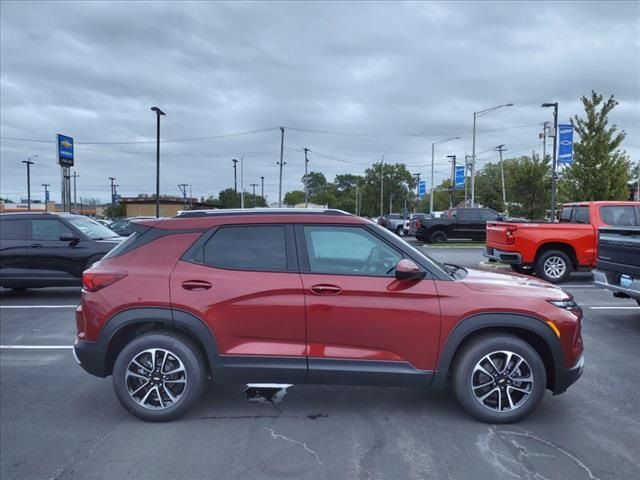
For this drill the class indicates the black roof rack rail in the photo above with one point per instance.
(259, 211)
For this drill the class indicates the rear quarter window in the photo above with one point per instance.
(619, 215)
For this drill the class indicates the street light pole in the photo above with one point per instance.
(453, 181)
(306, 178)
(473, 154)
(554, 158)
(254, 185)
(242, 181)
(46, 196)
(113, 207)
(262, 187)
(75, 175)
(433, 150)
(281, 163)
(158, 114)
(28, 163)
(235, 176)
(382, 187)
(500, 148)
(417, 175)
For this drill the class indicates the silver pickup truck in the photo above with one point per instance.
(618, 266)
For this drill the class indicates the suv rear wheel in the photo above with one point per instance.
(499, 378)
(158, 376)
(438, 237)
(554, 266)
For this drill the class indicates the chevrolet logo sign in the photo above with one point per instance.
(66, 144)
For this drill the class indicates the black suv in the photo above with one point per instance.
(49, 249)
(469, 223)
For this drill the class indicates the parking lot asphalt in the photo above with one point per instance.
(57, 422)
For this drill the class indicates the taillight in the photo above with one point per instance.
(418, 225)
(510, 235)
(94, 281)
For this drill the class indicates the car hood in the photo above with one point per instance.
(512, 284)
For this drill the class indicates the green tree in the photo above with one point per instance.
(528, 186)
(316, 183)
(294, 197)
(600, 170)
(228, 198)
(6, 200)
(118, 211)
(399, 186)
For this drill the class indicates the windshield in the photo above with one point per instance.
(436, 265)
(91, 228)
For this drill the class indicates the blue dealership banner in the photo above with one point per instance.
(65, 151)
(565, 144)
(422, 188)
(460, 176)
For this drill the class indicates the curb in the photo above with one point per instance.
(493, 265)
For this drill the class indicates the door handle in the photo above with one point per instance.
(325, 289)
(196, 285)
(36, 245)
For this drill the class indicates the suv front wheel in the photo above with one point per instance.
(499, 378)
(158, 376)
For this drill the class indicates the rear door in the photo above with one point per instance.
(14, 261)
(243, 282)
(361, 322)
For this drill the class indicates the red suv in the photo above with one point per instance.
(310, 296)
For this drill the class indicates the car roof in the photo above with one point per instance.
(209, 218)
(37, 214)
(600, 203)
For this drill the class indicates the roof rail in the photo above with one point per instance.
(259, 211)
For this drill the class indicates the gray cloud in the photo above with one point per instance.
(92, 70)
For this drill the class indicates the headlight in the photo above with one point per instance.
(568, 304)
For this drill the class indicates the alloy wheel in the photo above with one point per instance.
(555, 267)
(156, 379)
(502, 381)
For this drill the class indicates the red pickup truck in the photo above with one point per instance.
(553, 250)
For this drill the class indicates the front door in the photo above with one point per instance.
(51, 258)
(363, 325)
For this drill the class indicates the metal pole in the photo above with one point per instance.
(306, 179)
(281, 163)
(382, 187)
(75, 175)
(544, 141)
(262, 187)
(46, 195)
(235, 177)
(433, 149)
(554, 163)
(390, 203)
(473, 164)
(113, 207)
(28, 186)
(242, 181)
(254, 185)
(466, 165)
(157, 165)
(453, 181)
(356, 198)
(417, 189)
(500, 148)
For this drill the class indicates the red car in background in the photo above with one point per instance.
(302, 296)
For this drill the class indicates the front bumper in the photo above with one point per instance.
(604, 279)
(510, 258)
(565, 377)
(91, 357)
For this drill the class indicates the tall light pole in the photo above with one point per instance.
(242, 181)
(46, 196)
(159, 113)
(417, 175)
(554, 158)
(235, 176)
(281, 163)
(262, 187)
(113, 194)
(75, 175)
(28, 163)
(382, 187)
(473, 154)
(254, 185)
(306, 178)
(452, 202)
(500, 148)
(433, 151)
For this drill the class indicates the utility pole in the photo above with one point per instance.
(466, 166)
(242, 181)
(543, 136)
(46, 196)
(113, 192)
(262, 187)
(554, 158)
(183, 190)
(306, 179)
(159, 113)
(638, 191)
(281, 163)
(75, 175)
(417, 175)
(28, 163)
(453, 181)
(382, 187)
(235, 176)
(254, 185)
(500, 148)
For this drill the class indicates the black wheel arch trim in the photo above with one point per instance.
(485, 321)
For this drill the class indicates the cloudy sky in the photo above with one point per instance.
(349, 81)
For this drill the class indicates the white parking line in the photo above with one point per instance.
(614, 308)
(8, 307)
(36, 347)
(575, 286)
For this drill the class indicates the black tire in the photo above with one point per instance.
(463, 377)
(400, 230)
(438, 237)
(522, 269)
(182, 349)
(545, 270)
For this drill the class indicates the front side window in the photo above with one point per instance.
(619, 215)
(13, 230)
(488, 215)
(248, 247)
(349, 251)
(565, 215)
(48, 229)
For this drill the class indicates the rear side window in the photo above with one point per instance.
(468, 214)
(581, 215)
(488, 215)
(13, 230)
(619, 215)
(49, 229)
(248, 247)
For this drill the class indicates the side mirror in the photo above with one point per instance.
(68, 237)
(407, 270)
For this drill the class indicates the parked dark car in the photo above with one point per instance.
(619, 260)
(49, 249)
(315, 296)
(415, 222)
(467, 223)
(122, 226)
